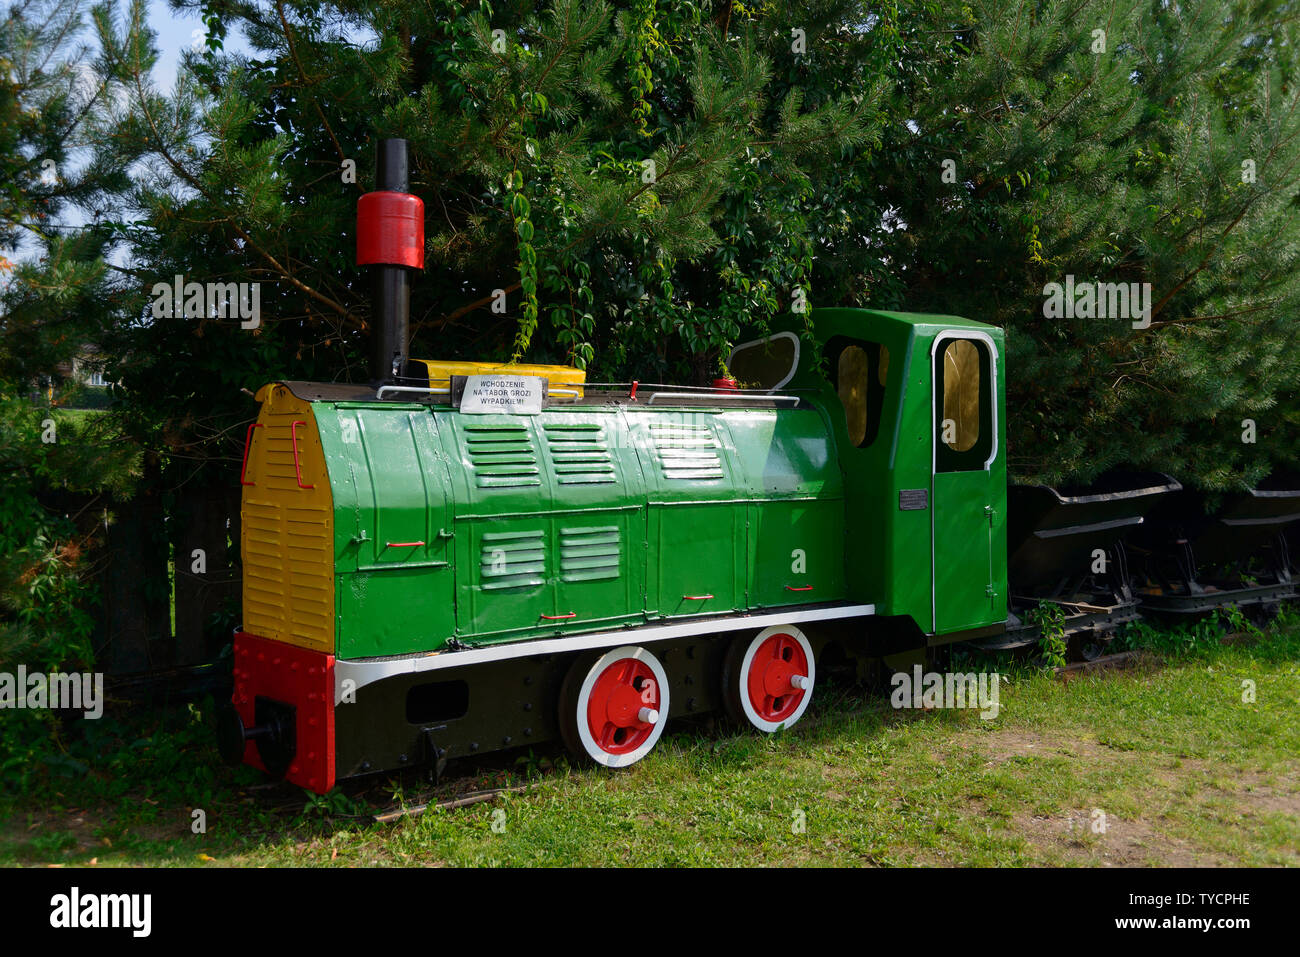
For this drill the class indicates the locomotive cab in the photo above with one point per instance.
(915, 407)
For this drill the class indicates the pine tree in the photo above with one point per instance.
(638, 181)
(59, 171)
(1129, 142)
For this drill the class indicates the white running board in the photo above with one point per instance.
(363, 672)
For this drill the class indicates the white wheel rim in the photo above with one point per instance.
(742, 678)
(589, 743)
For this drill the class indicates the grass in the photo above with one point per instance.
(1160, 764)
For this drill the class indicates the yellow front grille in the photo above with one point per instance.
(287, 539)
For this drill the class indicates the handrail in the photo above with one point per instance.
(728, 394)
(297, 466)
(703, 389)
(248, 443)
(410, 388)
(431, 391)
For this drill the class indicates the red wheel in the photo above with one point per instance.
(614, 710)
(768, 681)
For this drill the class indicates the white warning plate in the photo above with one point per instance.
(521, 394)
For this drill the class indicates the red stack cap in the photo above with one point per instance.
(390, 230)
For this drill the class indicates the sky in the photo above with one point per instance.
(176, 33)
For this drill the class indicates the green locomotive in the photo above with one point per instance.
(461, 558)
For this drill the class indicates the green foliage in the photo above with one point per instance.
(1049, 619)
(62, 469)
(1238, 622)
(1123, 165)
(1184, 640)
(47, 553)
(334, 804)
(166, 757)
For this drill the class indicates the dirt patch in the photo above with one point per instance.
(1265, 794)
(77, 833)
(1002, 746)
(1097, 837)
(1091, 836)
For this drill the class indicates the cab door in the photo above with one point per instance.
(968, 484)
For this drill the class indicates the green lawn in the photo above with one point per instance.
(1160, 764)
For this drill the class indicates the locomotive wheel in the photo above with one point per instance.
(613, 711)
(767, 681)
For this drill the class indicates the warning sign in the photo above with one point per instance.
(521, 395)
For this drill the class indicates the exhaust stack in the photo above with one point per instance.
(390, 239)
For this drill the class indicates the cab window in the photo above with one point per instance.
(765, 363)
(860, 371)
(964, 407)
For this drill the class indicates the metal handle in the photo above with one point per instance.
(402, 544)
(572, 614)
(696, 597)
(803, 588)
(297, 467)
(248, 442)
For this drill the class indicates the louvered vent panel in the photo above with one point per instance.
(580, 453)
(686, 451)
(512, 560)
(502, 456)
(288, 547)
(590, 554)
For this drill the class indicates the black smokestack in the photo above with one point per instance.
(390, 239)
